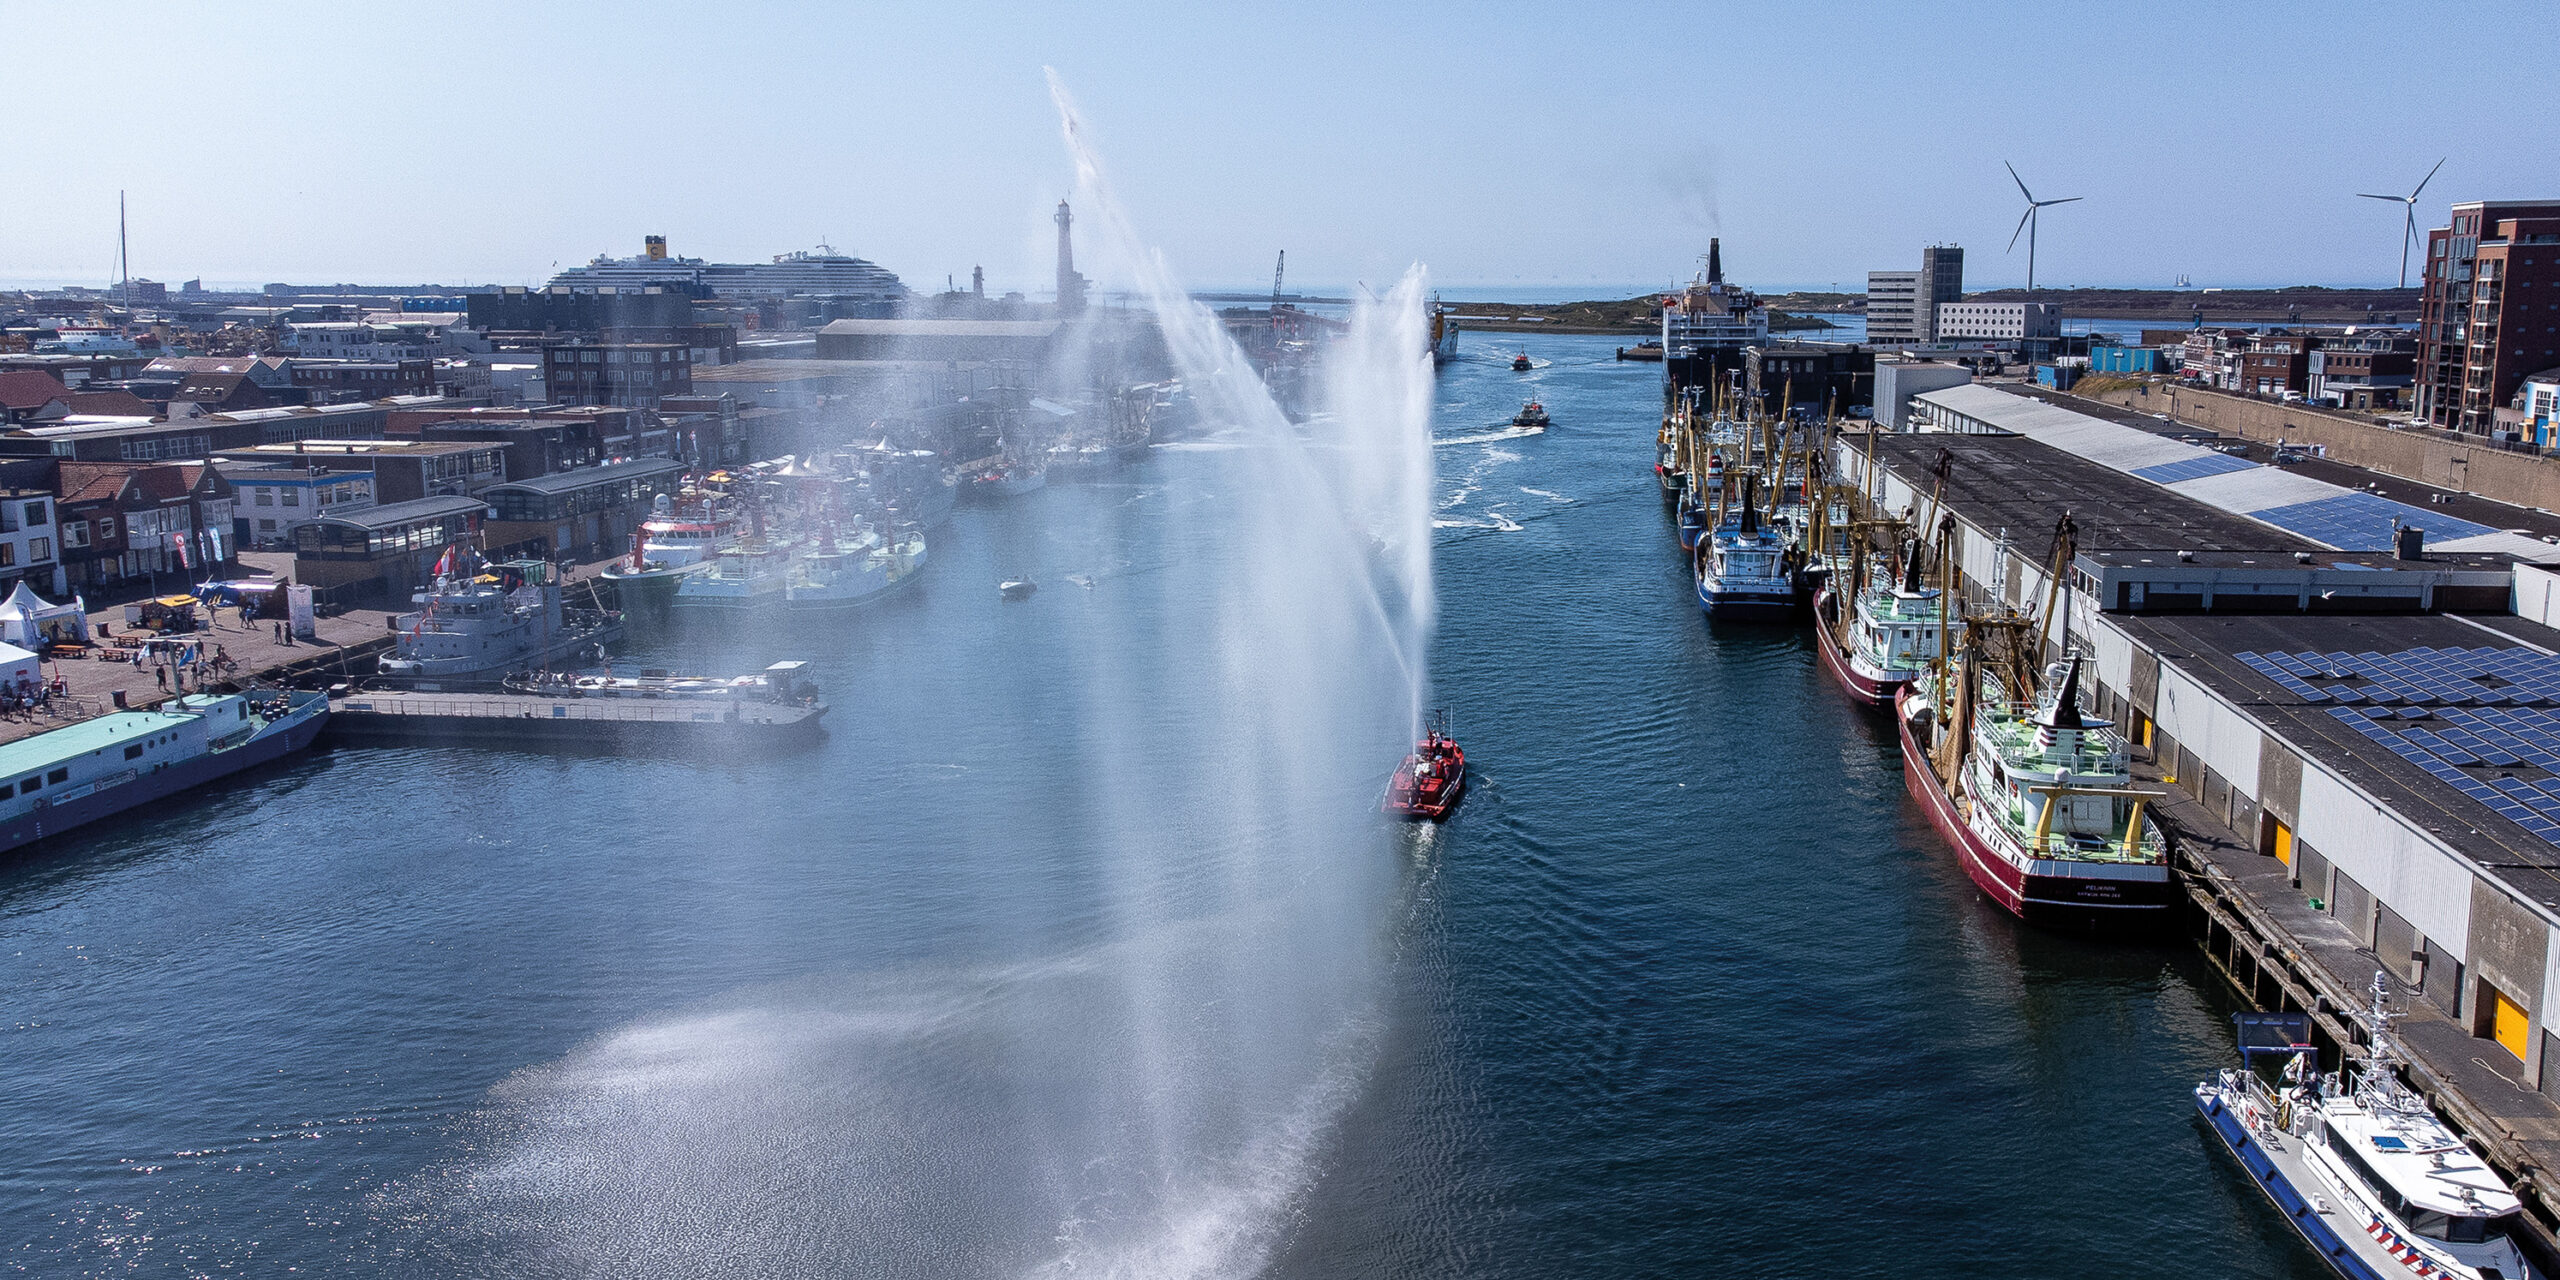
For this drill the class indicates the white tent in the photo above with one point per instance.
(29, 621)
(17, 665)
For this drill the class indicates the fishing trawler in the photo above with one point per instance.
(1432, 779)
(839, 571)
(1744, 569)
(471, 629)
(2365, 1173)
(1889, 636)
(102, 766)
(2041, 809)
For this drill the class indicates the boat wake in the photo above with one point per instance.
(1488, 437)
(1547, 494)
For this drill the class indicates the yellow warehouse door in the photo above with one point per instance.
(2507, 1024)
(2284, 844)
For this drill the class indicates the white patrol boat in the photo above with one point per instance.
(2367, 1174)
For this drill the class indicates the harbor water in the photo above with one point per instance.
(1028, 969)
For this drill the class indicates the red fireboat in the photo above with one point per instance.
(1430, 781)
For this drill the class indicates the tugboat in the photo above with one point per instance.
(1890, 637)
(1743, 571)
(1431, 780)
(1532, 417)
(1520, 363)
(2364, 1173)
(2039, 803)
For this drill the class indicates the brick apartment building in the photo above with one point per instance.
(2489, 310)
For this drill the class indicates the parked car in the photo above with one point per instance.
(2287, 457)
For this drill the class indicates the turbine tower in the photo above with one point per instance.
(2409, 223)
(2027, 221)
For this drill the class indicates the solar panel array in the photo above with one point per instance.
(2363, 522)
(2486, 721)
(2211, 464)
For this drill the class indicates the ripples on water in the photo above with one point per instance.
(1686, 988)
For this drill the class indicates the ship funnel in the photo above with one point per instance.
(1715, 260)
(2062, 715)
(1911, 570)
(1750, 513)
(654, 247)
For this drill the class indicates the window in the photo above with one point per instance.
(57, 777)
(75, 534)
(39, 549)
(133, 752)
(106, 526)
(266, 526)
(266, 496)
(35, 514)
(293, 497)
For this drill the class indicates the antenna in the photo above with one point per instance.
(124, 256)
(2027, 221)
(2409, 218)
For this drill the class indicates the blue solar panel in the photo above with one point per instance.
(2363, 521)
(2516, 726)
(2211, 464)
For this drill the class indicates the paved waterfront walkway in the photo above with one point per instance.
(93, 681)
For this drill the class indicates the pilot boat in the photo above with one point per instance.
(1432, 779)
(2365, 1173)
(1520, 363)
(1532, 415)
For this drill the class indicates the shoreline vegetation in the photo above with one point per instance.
(1800, 312)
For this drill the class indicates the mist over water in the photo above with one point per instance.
(1144, 1083)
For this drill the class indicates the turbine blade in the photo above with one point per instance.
(2022, 227)
(2064, 200)
(2022, 183)
(2422, 182)
(2367, 195)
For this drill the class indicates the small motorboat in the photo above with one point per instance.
(1520, 363)
(1430, 781)
(1532, 415)
(1017, 588)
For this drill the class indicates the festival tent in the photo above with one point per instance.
(29, 621)
(17, 666)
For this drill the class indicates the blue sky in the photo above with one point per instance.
(1537, 145)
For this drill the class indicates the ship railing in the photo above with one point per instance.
(2137, 843)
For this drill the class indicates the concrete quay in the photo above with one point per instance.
(2382, 799)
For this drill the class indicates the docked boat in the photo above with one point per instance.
(1649, 349)
(676, 539)
(912, 484)
(1532, 416)
(2040, 809)
(1009, 479)
(781, 682)
(102, 766)
(1744, 572)
(1432, 779)
(473, 629)
(1879, 642)
(840, 571)
(742, 577)
(2365, 1172)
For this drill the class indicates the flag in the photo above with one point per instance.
(179, 540)
(445, 564)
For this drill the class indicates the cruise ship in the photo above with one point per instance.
(820, 273)
(99, 767)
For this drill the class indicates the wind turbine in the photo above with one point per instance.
(2027, 221)
(2409, 226)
